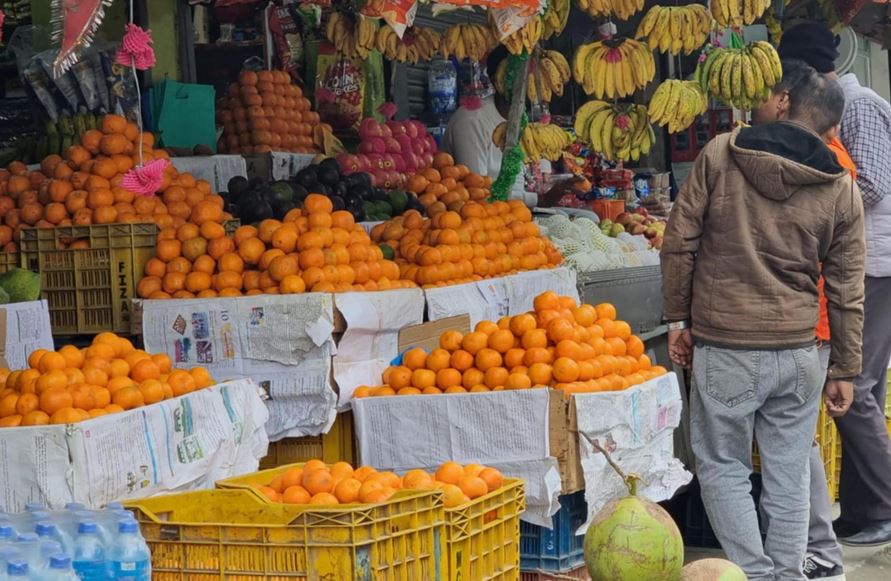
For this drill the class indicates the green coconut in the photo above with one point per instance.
(712, 570)
(633, 539)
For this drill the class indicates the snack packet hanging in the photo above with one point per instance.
(340, 89)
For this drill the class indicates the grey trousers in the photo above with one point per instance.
(773, 395)
(865, 485)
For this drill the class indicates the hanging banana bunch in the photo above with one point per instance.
(555, 18)
(613, 68)
(676, 104)
(620, 132)
(524, 39)
(674, 29)
(736, 13)
(471, 41)
(553, 69)
(353, 36)
(623, 9)
(538, 141)
(742, 77)
(417, 44)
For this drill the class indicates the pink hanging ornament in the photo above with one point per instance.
(147, 179)
(136, 48)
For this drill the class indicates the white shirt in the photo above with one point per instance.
(468, 137)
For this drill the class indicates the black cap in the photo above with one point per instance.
(813, 43)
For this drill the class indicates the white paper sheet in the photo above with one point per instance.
(636, 426)
(523, 287)
(27, 329)
(179, 444)
(282, 342)
(371, 338)
(481, 300)
(507, 429)
(217, 169)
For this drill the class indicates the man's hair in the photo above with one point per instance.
(815, 99)
(498, 54)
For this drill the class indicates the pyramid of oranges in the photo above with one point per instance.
(560, 344)
(445, 185)
(84, 187)
(480, 240)
(71, 385)
(312, 249)
(265, 112)
(318, 483)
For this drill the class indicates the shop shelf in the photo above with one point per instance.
(10, 260)
(558, 548)
(482, 536)
(236, 534)
(830, 449)
(89, 290)
(580, 573)
(335, 446)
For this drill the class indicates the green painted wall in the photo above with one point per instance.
(162, 22)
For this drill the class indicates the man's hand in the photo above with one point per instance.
(839, 395)
(680, 347)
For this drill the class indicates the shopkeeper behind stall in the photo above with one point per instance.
(468, 135)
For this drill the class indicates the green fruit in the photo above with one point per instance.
(712, 570)
(20, 285)
(389, 253)
(383, 208)
(633, 539)
(398, 200)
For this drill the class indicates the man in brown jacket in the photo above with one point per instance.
(762, 208)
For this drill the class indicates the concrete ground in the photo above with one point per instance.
(860, 564)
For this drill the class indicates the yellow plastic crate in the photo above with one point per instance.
(830, 449)
(10, 260)
(337, 445)
(89, 290)
(231, 535)
(483, 536)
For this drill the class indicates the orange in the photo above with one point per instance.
(634, 347)
(27, 402)
(317, 481)
(460, 360)
(448, 377)
(437, 359)
(11, 421)
(50, 361)
(269, 493)
(473, 486)
(548, 300)
(568, 348)
(534, 338)
(453, 496)
(565, 370)
(450, 473)
(34, 358)
(472, 377)
(398, 376)
(451, 340)
(514, 357)
(493, 478)
(540, 374)
(128, 398)
(414, 358)
(496, 377)
(53, 379)
(52, 400)
(617, 346)
(152, 391)
(522, 323)
(35, 418)
(560, 329)
(606, 311)
(518, 381)
(296, 495)
(501, 340)
(422, 378)
(487, 327)
(488, 358)
(474, 342)
(145, 369)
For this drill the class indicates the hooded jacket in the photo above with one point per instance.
(762, 208)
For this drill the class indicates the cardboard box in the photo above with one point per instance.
(564, 441)
(277, 165)
(426, 335)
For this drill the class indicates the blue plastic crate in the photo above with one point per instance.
(559, 548)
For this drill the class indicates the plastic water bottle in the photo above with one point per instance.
(89, 554)
(60, 569)
(47, 548)
(28, 545)
(8, 553)
(68, 519)
(88, 515)
(114, 505)
(130, 557)
(49, 530)
(8, 534)
(17, 571)
(34, 507)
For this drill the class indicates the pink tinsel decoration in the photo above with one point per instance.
(147, 179)
(472, 102)
(136, 48)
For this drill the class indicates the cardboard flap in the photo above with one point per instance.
(426, 335)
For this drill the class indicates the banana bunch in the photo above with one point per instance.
(619, 132)
(677, 104)
(555, 17)
(547, 76)
(613, 68)
(624, 9)
(463, 41)
(735, 13)
(538, 141)
(417, 44)
(742, 77)
(676, 28)
(354, 38)
(525, 38)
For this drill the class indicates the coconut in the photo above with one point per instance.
(712, 570)
(633, 539)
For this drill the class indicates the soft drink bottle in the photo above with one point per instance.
(49, 530)
(60, 569)
(89, 554)
(130, 557)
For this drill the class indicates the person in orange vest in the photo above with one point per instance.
(824, 558)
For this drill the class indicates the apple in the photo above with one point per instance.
(657, 242)
(638, 229)
(369, 128)
(387, 161)
(428, 158)
(362, 161)
(624, 218)
(391, 145)
(365, 147)
(398, 162)
(637, 218)
(420, 128)
(431, 143)
(397, 128)
(404, 142)
(348, 162)
(616, 230)
(651, 233)
(385, 131)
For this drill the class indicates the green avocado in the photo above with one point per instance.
(389, 254)
(398, 200)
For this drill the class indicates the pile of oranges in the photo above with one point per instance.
(317, 483)
(71, 385)
(446, 186)
(313, 249)
(480, 240)
(84, 187)
(573, 348)
(264, 112)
